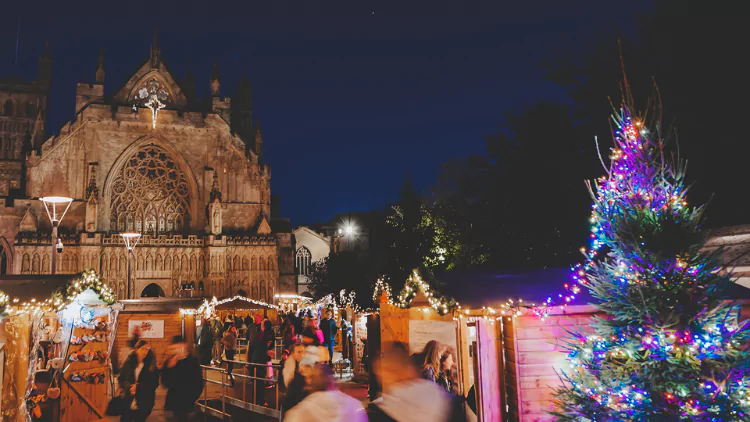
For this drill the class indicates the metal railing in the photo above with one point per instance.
(253, 389)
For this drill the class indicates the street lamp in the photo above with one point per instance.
(347, 231)
(131, 239)
(56, 203)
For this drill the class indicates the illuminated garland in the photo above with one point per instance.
(88, 280)
(208, 308)
(414, 284)
(61, 298)
(382, 286)
(3, 303)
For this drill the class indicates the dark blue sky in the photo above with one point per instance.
(352, 96)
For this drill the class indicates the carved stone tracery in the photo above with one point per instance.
(150, 195)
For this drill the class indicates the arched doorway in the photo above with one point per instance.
(153, 290)
(241, 293)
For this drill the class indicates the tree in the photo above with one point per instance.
(669, 347)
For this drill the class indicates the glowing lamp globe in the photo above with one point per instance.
(131, 239)
(56, 207)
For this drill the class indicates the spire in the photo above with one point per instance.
(244, 92)
(215, 189)
(215, 84)
(155, 51)
(100, 68)
(45, 67)
(189, 84)
(92, 190)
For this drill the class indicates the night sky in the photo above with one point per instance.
(353, 96)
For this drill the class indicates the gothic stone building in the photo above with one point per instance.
(152, 158)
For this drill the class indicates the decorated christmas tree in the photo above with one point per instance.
(668, 345)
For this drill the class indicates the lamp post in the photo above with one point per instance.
(131, 239)
(53, 205)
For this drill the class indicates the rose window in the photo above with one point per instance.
(150, 194)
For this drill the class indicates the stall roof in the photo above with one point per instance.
(493, 287)
(33, 286)
(161, 304)
(238, 303)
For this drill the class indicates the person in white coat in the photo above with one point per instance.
(325, 403)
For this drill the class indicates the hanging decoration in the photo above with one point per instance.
(154, 96)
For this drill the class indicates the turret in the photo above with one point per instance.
(155, 52)
(215, 84)
(258, 141)
(100, 68)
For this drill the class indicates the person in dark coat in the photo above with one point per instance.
(260, 353)
(329, 328)
(205, 343)
(138, 381)
(183, 378)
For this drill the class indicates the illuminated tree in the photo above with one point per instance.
(669, 348)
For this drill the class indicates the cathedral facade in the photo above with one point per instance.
(152, 158)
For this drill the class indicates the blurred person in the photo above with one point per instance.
(138, 381)
(406, 396)
(325, 403)
(312, 335)
(182, 376)
(205, 343)
(288, 336)
(329, 329)
(260, 353)
(229, 341)
(135, 336)
(293, 381)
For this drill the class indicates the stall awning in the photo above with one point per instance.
(34, 286)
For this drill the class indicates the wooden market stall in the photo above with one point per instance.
(529, 350)
(58, 333)
(159, 320)
(419, 316)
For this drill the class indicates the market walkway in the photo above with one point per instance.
(356, 390)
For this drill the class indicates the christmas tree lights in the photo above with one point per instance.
(670, 348)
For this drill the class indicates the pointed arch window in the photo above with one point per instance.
(304, 261)
(150, 194)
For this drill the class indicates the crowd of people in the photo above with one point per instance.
(416, 387)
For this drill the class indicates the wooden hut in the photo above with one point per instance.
(530, 350)
(159, 319)
(50, 321)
